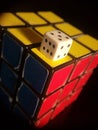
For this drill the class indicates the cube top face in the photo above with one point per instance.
(55, 44)
(9, 19)
(26, 35)
(31, 18)
(50, 16)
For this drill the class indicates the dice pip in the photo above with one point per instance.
(55, 44)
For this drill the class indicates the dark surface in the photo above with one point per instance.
(84, 112)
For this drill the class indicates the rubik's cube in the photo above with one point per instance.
(31, 85)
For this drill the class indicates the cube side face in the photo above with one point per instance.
(44, 120)
(80, 67)
(83, 80)
(47, 105)
(94, 62)
(67, 89)
(65, 103)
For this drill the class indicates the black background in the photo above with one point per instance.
(84, 15)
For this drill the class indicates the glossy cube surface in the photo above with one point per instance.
(31, 85)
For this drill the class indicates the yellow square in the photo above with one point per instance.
(89, 41)
(43, 29)
(50, 16)
(26, 35)
(9, 19)
(31, 18)
(68, 28)
(77, 50)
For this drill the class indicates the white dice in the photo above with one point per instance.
(55, 44)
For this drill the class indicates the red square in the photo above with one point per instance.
(44, 120)
(75, 95)
(65, 103)
(60, 107)
(59, 78)
(80, 67)
(94, 63)
(83, 80)
(68, 89)
(48, 103)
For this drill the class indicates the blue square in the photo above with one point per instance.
(27, 99)
(8, 77)
(11, 51)
(35, 73)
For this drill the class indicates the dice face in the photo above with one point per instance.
(55, 44)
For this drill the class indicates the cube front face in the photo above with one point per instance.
(33, 85)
